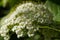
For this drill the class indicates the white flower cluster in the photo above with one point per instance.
(22, 18)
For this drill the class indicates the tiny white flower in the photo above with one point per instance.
(3, 34)
(14, 28)
(6, 37)
(30, 35)
(19, 33)
(31, 27)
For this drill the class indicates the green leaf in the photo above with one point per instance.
(55, 9)
(3, 2)
(1, 38)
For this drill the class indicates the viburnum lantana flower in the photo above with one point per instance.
(21, 20)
